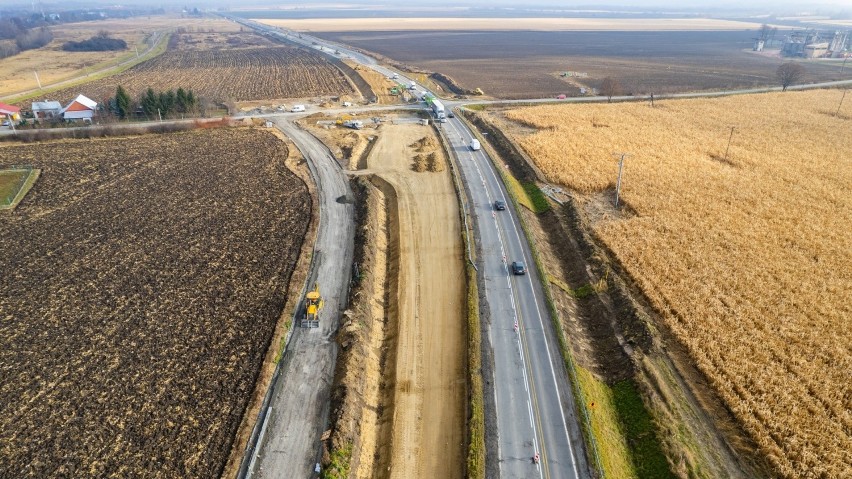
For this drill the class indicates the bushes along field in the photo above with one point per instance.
(746, 259)
(142, 281)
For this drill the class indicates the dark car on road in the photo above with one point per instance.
(451, 115)
(518, 268)
(499, 205)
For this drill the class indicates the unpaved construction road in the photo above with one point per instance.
(428, 401)
(290, 445)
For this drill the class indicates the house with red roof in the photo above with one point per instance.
(10, 112)
(81, 108)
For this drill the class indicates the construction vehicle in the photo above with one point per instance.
(313, 305)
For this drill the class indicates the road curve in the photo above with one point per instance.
(534, 403)
(300, 399)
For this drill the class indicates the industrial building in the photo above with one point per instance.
(814, 44)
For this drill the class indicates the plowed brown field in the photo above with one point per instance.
(227, 74)
(142, 279)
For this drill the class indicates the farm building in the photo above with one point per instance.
(11, 112)
(81, 108)
(46, 110)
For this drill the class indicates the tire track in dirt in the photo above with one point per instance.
(427, 431)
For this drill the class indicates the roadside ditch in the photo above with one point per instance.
(643, 415)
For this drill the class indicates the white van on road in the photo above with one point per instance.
(297, 108)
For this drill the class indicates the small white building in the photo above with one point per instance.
(82, 108)
(46, 110)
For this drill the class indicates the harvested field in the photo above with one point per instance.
(746, 259)
(528, 64)
(53, 64)
(226, 74)
(139, 296)
(507, 24)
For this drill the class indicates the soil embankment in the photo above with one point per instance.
(400, 393)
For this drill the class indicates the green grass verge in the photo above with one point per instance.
(339, 464)
(527, 194)
(640, 431)
(15, 184)
(11, 182)
(626, 421)
(614, 453)
(476, 424)
(158, 49)
(625, 432)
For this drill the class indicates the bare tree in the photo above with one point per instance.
(790, 73)
(610, 87)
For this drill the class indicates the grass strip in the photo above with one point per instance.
(476, 424)
(475, 461)
(15, 184)
(158, 49)
(527, 194)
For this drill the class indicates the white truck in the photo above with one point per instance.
(474, 145)
(412, 86)
(297, 108)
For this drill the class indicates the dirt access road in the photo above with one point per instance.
(428, 423)
(300, 404)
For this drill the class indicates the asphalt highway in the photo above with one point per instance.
(534, 403)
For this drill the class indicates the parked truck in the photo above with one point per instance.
(412, 86)
(474, 145)
(297, 108)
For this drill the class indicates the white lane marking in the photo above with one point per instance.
(541, 322)
(514, 311)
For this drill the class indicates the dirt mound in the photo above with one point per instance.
(425, 144)
(428, 162)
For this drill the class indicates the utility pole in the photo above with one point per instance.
(841, 103)
(844, 65)
(729, 142)
(621, 157)
(159, 114)
(37, 79)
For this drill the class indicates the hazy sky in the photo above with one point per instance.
(709, 6)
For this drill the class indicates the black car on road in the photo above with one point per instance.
(499, 205)
(518, 268)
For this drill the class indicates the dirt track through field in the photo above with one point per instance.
(428, 418)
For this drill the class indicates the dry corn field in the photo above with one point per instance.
(218, 75)
(749, 261)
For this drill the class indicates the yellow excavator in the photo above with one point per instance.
(313, 305)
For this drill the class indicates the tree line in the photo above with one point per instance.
(16, 36)
(153, 104)
(101, 42)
